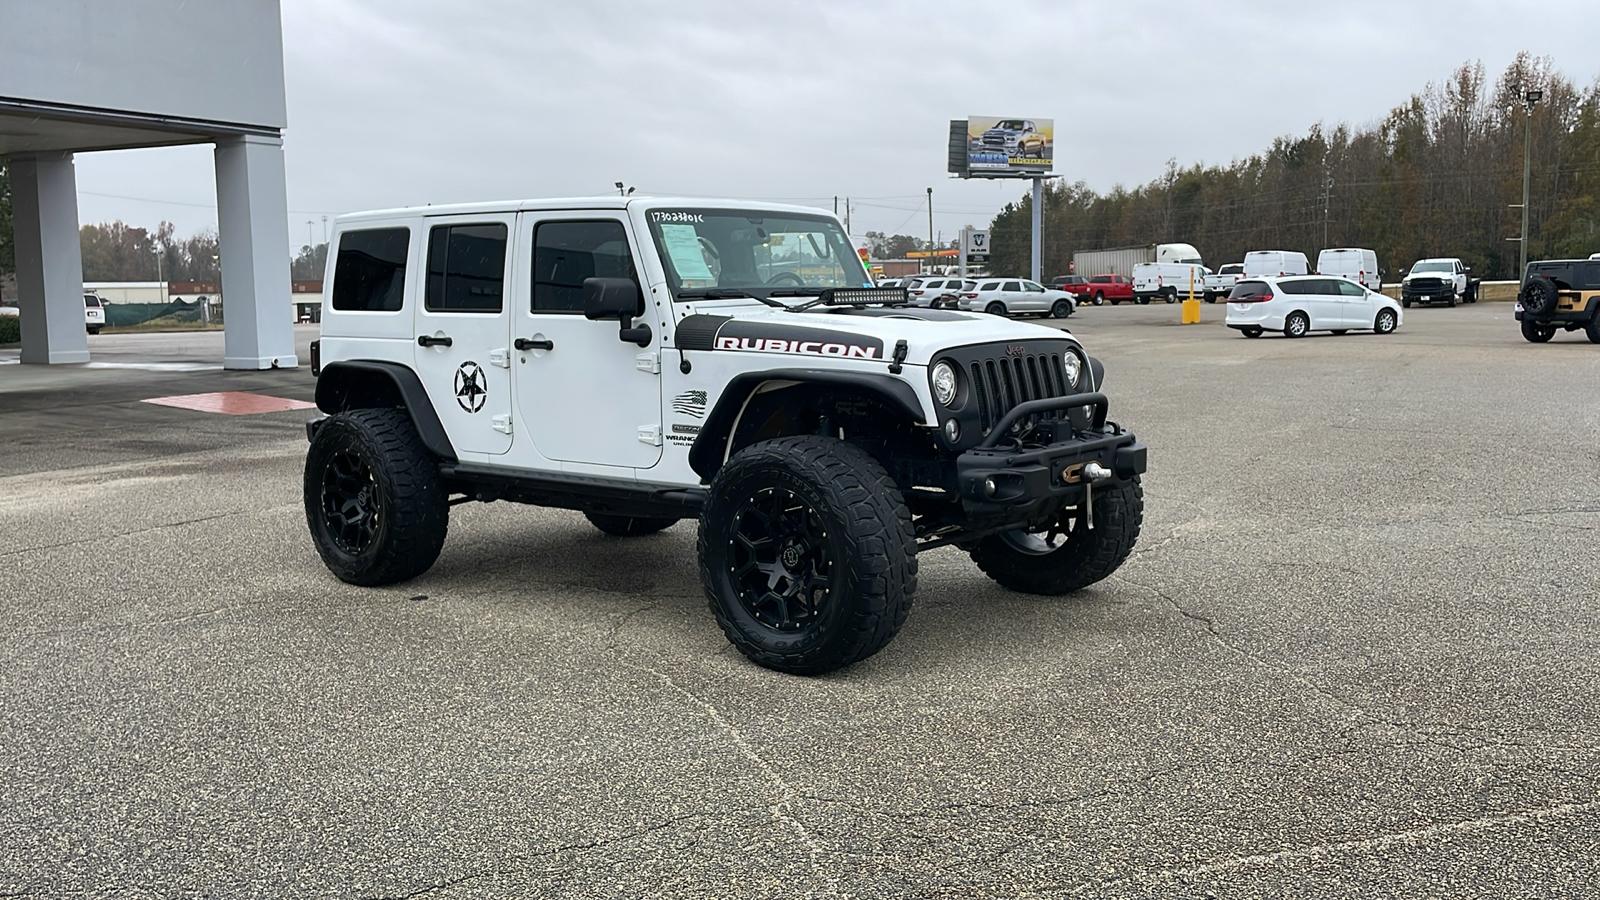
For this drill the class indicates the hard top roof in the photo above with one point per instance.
(574, 203)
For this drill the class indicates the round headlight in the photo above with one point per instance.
(1072, 365)
(944, 383)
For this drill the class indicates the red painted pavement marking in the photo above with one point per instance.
(232, 403)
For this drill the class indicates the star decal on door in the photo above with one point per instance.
(472, 388)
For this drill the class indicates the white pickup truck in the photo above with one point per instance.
(1220, 283)
(1441, 280)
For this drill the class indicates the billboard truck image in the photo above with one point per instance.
(998, 146)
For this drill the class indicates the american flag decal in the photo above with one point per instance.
(690, 403)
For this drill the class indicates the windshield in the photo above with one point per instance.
(754, 252)
(1433, 267)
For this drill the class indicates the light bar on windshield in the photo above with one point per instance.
(893, 296)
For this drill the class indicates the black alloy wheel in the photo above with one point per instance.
(349, 502)
(1538, 334)
(782, 565)
(1061, 309)
(1539, 295)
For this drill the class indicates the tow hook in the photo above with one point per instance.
(1090, 473)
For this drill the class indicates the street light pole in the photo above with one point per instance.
(931, 258)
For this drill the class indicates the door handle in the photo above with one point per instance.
(428, 340)
(528, 344)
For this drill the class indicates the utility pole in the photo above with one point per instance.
(1327, 194)
(930, 230)
(1038, 224)
(847, 216)
(1531, 97)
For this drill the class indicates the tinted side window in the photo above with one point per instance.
(1246, 290)
(369, 274)
(565, 253)
(466, 268)
(990, 286)
(1296, 287)
(1011, 286)
(1351, 289)
(1591, 276)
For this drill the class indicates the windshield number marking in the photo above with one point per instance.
(665, 216)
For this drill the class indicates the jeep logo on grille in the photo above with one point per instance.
(1015, 349)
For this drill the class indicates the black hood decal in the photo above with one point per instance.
(703, 332)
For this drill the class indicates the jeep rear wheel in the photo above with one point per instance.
(807, 554)
(377, 510)
(628, 526)
(1069, 555)
(1537, 333)
(1592, 329)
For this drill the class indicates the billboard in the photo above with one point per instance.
(1001, 146)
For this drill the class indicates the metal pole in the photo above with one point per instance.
(931, 257)
(1527, 172)
(961, 242)
(1038, 224)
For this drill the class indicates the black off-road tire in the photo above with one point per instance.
(1591, 330)
(628, 526)
(1538, 334)
(1086, 556)
(1291, 330)
(1384, 322)
(852, 518)
(377, 509)
(1539, 295)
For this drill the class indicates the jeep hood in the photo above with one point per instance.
(848, 333)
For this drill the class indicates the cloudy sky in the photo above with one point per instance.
(399, 102)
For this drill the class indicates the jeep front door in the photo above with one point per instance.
(462, 330)
(585, 395)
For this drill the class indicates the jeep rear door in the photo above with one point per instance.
(462, 326)
(584, 394)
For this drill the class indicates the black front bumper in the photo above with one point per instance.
(1014, 486)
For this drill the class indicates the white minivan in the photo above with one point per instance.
(1354, 263)
(1275, 263)
(1299, 304)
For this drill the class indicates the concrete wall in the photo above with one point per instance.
(212, 60)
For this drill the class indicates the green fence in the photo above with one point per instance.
(139, 313)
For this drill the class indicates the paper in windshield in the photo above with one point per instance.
(683, 246)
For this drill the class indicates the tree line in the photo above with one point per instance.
(1438, 176)
(116, 251)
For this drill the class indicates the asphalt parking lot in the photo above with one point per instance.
(1353, 656)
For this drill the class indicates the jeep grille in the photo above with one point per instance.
(1004, 381)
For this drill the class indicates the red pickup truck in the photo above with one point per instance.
(1076, 285)
(1115, 288)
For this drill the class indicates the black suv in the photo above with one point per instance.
(1560, 294)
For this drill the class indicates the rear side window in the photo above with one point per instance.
(466, 268)
(565, 253)
(369, 274)
(990, 286)
(1249, 290)
(1011, 286)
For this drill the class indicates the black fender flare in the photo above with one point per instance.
(710, 449)
(370, 383)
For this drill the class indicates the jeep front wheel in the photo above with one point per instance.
(628, 526)
(1069, 555)
(807, 554)
(377, 510)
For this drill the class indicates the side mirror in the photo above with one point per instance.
(620, 299)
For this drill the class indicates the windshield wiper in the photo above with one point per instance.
(726, 294)
(797, 292)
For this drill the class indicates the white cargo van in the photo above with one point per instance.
(1168, 281)
(1354, 263)
(1274, 263)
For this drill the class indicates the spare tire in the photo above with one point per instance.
(1539, 295)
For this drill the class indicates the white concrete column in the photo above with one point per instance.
(44, 204)
(253, 229)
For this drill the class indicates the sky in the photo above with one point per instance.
(407, 102)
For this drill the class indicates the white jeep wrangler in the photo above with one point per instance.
(650, 360)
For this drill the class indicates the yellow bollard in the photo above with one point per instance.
(1191, 306)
